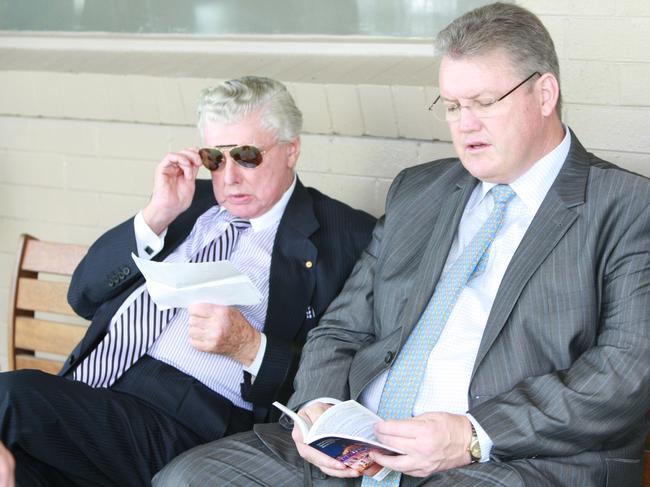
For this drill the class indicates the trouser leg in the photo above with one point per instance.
(243, 460)
(33, 473)
(91, 436)
(268, 457)
(489, 474)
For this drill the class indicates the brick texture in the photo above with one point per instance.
(81, 132)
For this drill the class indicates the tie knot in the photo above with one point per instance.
(502, 194)
(240, 224)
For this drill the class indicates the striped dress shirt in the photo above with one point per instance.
(252, 256)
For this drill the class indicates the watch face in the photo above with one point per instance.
(475, 450)
(474, 446)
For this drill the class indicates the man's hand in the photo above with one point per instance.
(327, 464)
(7, 468)
(431, 442)
(223, 330)
(173, 188)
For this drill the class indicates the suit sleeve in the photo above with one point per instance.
(604, 394)
(105, 271)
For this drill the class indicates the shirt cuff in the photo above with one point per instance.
(254, 368)
(483, 439)
(147, 242)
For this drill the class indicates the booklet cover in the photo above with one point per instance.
(345, 432)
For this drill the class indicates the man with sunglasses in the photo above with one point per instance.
(499, 320)
(145, 384)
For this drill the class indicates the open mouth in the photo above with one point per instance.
(476, 146)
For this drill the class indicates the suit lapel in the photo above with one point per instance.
(553, 219)
(293, 261)
(452, 204)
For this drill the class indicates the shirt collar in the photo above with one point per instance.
(272, 216)
(532, 186)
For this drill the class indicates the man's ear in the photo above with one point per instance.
(293, 152)
(549, 93)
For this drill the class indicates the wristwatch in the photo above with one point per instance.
(474, 447)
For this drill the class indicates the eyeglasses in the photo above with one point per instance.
(247, 156)
(449, 111)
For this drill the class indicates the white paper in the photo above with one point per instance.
(177, 285)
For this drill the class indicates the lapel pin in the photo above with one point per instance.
(309, 264)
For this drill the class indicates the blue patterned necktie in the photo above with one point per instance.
(136, 328)
(405, 376)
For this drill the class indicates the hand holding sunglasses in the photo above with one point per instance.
(247, 156)
(173, 188)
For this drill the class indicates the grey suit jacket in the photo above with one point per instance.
(561, 382)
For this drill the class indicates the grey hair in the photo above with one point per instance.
(233, 100)
(506, 27)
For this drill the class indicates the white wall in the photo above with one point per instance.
(81, 128)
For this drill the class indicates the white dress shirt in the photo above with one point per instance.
(447, 376)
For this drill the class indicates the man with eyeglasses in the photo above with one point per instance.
(499, 320)
(145, 384)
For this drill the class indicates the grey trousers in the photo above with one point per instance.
(267, 457)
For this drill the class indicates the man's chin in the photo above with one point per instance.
(245, 211)
(479, 167)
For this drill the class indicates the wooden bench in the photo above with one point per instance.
(43, 329)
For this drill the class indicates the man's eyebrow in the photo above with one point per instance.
(475, 97)
(225, 145)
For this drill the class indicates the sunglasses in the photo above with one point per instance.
(247, 156)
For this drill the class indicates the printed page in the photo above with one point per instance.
(177, 285)
(345, 432)
(349, 418)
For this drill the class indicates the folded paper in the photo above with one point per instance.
(177, 285)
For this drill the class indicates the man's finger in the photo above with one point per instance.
(404, 428)
(399, 463)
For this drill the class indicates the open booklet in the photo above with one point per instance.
(345, 432)
(177, 285)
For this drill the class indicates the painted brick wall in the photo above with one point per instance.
(80, 133)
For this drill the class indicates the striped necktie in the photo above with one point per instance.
(139, 324)
(405, 376)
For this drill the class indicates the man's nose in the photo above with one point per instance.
(468, 121)
(231, 171)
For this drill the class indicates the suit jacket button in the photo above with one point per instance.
(71, 359)
(126, 270)
(111, 283)
(389, 357)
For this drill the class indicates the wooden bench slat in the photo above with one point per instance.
(39, 257)
(41, 329)
(38, 295)
(24, 361)
(47, 336)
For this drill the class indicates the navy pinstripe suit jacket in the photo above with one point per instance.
(314, 227)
